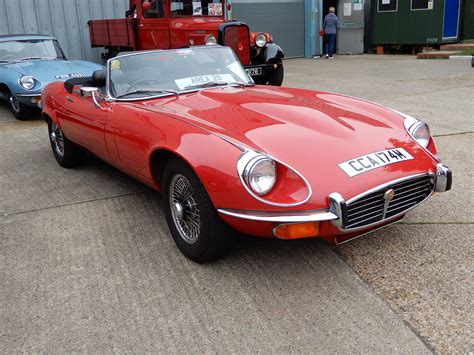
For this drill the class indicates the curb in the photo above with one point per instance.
(461, 57)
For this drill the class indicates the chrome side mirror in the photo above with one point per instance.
(87, 91)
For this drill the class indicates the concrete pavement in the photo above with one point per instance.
(87, 262)
(422, 267)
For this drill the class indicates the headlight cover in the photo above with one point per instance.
(260, 40)
(27, 82)
(260, 174)
(419, 131)
(210, 40)
(271, 181)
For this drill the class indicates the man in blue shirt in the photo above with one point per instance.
(331, 23)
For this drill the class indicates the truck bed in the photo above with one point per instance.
(113, 33)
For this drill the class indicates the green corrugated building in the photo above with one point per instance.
(421, 22)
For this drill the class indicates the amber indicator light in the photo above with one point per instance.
(297, 230)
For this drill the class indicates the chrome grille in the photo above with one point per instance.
(377, 206)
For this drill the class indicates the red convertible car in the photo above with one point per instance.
(230, 155)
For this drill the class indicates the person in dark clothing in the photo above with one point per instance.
(132, 11)
(331, 23)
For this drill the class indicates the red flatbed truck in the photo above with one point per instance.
(165, 24)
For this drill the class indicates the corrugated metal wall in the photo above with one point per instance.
(64, 19)
(283, 19)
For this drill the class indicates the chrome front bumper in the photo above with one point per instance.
(337, 212)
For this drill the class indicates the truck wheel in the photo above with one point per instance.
(19, 110)
(67, 154)
(192, 219)
(276, 77)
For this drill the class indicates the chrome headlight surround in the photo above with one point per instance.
(412, 126)
(252, 159)
(260, 40)
(210, 40)
(418, 130)
(27, 82)
(260, 174)
(257, 172)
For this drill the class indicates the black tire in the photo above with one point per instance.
(276, 77)
(67, 154)
(21, 111)
(208, 237)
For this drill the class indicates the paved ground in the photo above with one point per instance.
(87, 262)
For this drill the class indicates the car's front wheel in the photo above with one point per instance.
(20, 110)
(193, 221)
(67, 154)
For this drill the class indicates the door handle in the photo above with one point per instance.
(69, 98)
(141, 25)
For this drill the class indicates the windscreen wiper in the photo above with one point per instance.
(148, 91)
(215, 84)
(35, 58)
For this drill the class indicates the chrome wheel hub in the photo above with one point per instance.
(57, 139)
(184, 209)
(178, 210)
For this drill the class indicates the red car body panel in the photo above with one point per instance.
(310, 131)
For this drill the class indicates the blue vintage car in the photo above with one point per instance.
(27, 64)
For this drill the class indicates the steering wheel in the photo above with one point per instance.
(146, 80)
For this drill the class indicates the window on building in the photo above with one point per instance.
(421, 5)
(387, 5)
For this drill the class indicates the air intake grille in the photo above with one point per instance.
(383, 204)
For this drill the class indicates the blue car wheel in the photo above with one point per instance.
(20, 110)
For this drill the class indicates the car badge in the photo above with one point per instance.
(389, 195)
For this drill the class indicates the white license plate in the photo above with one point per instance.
(376, 160)
(254, 71)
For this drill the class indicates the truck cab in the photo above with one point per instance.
(166, 24)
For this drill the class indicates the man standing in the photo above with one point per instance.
(330, 29)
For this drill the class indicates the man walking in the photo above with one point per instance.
(330, 29)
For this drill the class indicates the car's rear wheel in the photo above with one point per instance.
(193, 221)
(20, 110)
(67, 154)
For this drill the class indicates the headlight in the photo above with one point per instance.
(260, 40)
(27, 82)
(260, 175)
(420, 131)
(210, 40)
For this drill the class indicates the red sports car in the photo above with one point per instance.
(229, 155)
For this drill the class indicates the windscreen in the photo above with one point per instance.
(196, 8)
(29, 50)
(144, 74)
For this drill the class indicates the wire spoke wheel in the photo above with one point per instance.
(57, 138)
(15, 103)
(184, 209)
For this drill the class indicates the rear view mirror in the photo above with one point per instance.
(87, 91)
